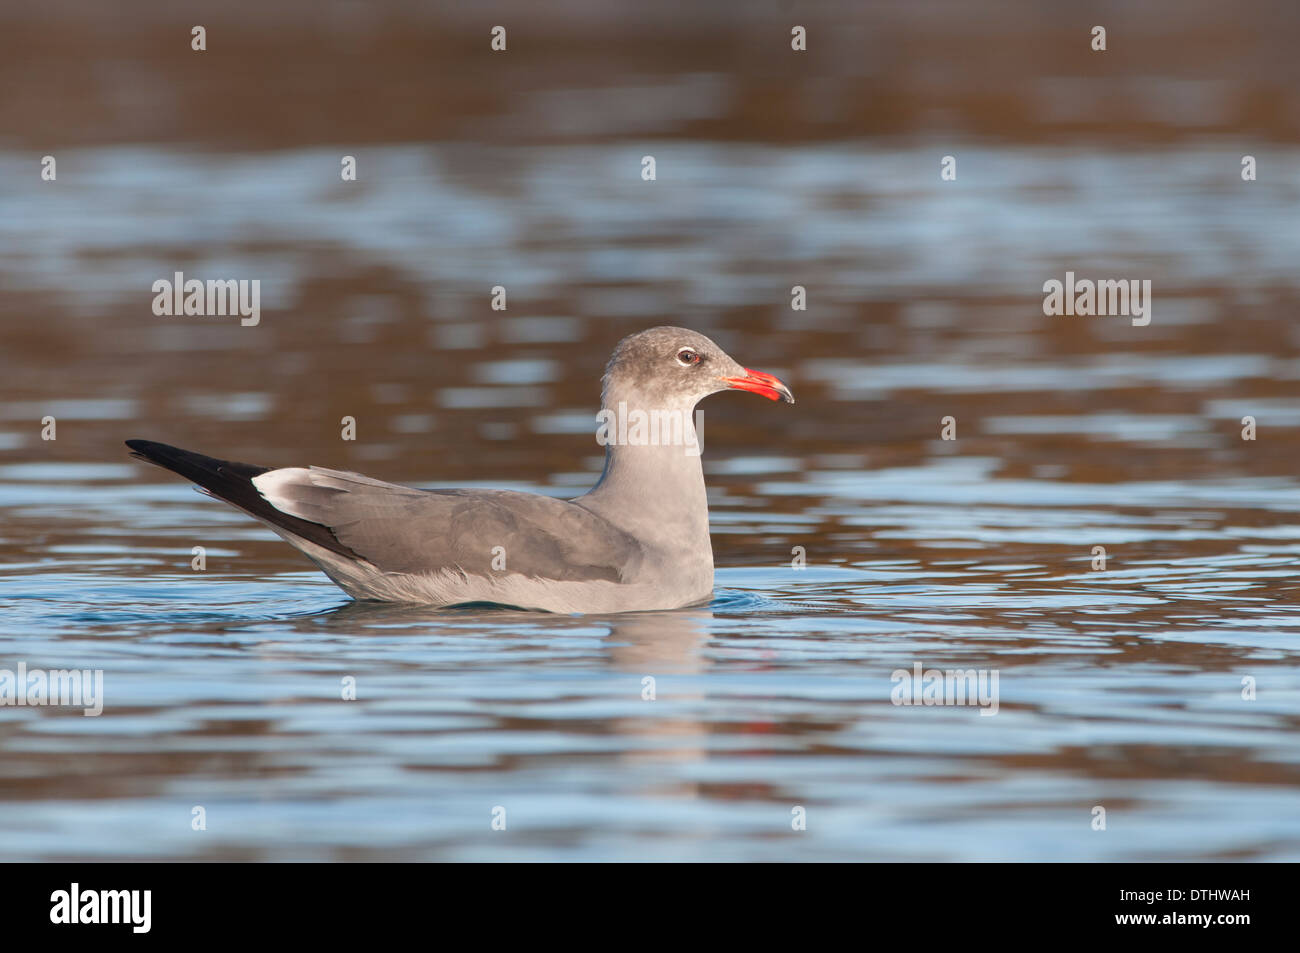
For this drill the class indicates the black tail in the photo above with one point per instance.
(233, 482)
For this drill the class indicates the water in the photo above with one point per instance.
(1123, 687)
(1119, 689)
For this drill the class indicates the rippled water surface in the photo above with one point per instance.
(1157, 677)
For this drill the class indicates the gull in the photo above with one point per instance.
(637, 541)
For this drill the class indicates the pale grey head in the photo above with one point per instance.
(677, 367)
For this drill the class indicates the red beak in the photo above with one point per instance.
(760, 383)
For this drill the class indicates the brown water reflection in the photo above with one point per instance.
(1121, 688)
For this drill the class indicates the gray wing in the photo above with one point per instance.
(405, 530)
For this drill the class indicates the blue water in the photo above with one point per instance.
(223, 690)
(1118, 688)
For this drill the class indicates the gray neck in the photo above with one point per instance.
(654, 490)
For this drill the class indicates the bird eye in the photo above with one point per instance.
(686, 357)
